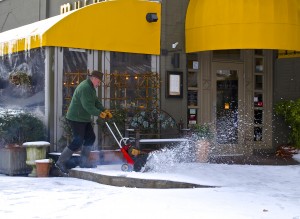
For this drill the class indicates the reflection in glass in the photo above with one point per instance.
(259, 65)
(192, 79)
(75, 71)
(258, 134)
(227, 107)
(192, 116)
(133, 80)
(22, 80)
(258, 116)
(192, 98)
(258, 82)
(258, 99)
(191, 58)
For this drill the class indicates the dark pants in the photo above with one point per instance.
(83, 134)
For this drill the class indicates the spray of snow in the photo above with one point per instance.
(161, 160)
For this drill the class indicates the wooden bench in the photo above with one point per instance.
(138, 140)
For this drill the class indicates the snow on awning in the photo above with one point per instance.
(109, 25)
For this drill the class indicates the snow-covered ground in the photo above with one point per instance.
(243, 192)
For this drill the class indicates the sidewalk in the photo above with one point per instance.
(266, 159)
(124, 179)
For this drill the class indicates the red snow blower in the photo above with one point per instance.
(134, 157)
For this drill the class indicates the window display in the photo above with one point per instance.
(22, 80)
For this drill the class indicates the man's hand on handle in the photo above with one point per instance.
(106, 114)
(103, 115)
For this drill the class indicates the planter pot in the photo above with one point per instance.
(43, 167)
(13, 161)
(112, 157)
(202, 151)
(35, 150)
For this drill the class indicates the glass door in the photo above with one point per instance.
(228, 104)
(71, 67)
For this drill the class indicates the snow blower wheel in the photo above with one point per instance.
(126, 168)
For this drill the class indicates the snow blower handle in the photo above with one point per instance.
(113, 135)
(122, 138)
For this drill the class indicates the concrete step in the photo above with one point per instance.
(123, 181)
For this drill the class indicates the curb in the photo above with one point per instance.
(133, 182)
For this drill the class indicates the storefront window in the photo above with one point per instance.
(129, 62)
(258, 99)
(132, 82)
(75, 60)
(259, 67)
(258, 95)
(22, 80)
(258, 116)
(75, 71)
(258, 82)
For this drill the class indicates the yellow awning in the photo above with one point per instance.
(119, 25)
(242, 24)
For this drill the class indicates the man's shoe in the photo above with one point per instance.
(62, 169)
(86, 163)
(63, 158)
(84, 158)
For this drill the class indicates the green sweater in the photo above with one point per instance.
(84, 103)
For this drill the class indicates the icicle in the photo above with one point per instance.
(1, 49)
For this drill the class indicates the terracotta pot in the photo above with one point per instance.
(202, 151)
(112, 157)
(94, 157)
(43, 167)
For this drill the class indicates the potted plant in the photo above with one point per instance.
(43, 167)
(15, 129)
(202, 135)
(290, 111)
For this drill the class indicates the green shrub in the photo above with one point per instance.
(290, 111)
(202, 131)
(20, 128)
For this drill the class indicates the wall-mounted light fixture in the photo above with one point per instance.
(226, 106)
(174, 45)
(165, 52)
(151, 17)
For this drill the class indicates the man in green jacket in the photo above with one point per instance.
(83, 106)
